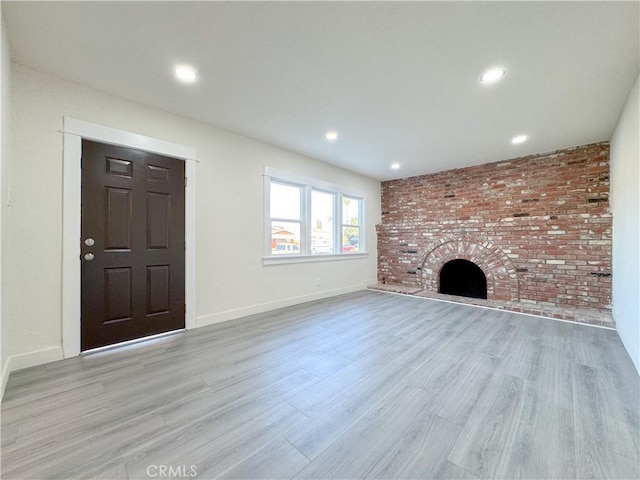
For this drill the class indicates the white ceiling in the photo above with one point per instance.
(398, 81)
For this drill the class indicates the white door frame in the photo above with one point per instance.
(74, 131)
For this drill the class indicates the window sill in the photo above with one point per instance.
(283, 260)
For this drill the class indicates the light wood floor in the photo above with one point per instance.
(366, 385)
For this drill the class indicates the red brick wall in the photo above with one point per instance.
(538, 226)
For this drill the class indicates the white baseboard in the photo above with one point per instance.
(5, 377)
(235, 313)
(38, 357)
(630, 343)
(30, 359)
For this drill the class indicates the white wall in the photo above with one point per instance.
(231, 280)
(5, 78)
(625, 206)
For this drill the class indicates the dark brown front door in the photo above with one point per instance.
(132, 241)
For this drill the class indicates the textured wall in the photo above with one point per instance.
(538, 226)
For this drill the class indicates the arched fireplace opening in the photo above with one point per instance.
(463, 278)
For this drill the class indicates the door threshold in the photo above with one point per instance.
(135, 341)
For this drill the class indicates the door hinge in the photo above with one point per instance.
(186, 180)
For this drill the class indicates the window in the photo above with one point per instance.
(322, 212)
(351, 215)
(310, 219)
(285, 201)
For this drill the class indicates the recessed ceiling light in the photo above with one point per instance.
(395, 166)
(519, 139)
(492, 75)
(332, 136)
(186, 74)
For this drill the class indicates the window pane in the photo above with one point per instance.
(285, 201)
(350, 211)
(321, 222)
(285, 238)
(350, 239)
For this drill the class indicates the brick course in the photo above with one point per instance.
(538, 226)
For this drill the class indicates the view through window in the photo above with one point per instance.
(305, 219)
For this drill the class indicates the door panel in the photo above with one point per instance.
(117, 294)
(158, 289)
(118, 219)
(119, 167)
(158, 220)
(157, 174)
(133, 210)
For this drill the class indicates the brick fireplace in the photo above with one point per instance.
(538, 227)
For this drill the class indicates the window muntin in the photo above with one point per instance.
(322, 220)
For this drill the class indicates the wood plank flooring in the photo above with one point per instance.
(366, 385)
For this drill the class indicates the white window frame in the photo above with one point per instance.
(359, 226)
(301, 213)
(308, 185)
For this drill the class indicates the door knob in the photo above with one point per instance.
(89, 242)
(89, 256)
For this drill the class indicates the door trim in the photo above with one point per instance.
(74, 131)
